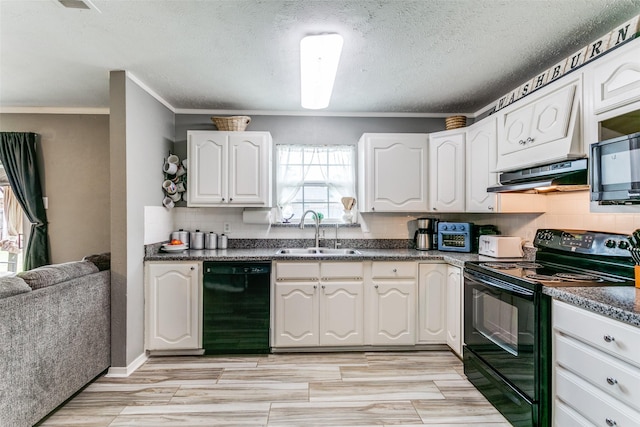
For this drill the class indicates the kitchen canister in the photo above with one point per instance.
(222, 241)
(184, 236)
(197, 240)
(211, 240)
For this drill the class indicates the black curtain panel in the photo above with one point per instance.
(18, 156)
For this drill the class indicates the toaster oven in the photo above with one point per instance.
(455, 236)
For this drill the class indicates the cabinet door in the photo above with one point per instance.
(394, 312)
(615, 78)
(454, 309)
(249, 169)
(446, 171)
(481, 154)
(207, 172)
(432, 303)
(393, 172)
(341, 313)
(172, 306)
(296, 314)
(544, 130)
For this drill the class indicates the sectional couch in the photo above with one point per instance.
(55, 332)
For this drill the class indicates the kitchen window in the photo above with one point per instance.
(314, 177)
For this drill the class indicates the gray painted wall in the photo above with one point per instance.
(310, 130)
(142, 133)
(73, 156)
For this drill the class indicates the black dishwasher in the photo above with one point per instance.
(235, 305)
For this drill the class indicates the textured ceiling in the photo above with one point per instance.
(439, 56)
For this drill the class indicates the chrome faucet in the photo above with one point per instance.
(317, 220)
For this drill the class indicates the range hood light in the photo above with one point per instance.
(319, 57)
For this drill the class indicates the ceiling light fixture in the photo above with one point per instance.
(319, 57)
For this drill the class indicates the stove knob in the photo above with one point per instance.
(623, 244)
(461, 227)
(610, 243)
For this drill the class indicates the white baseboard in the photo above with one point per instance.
(130, 369)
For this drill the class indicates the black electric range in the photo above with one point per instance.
(507, 318)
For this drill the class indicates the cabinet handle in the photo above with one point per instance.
(611, 422)
(529, 140)
(490, 208)
(609, 338)
(612, 381)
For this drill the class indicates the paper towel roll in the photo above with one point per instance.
(256, 216)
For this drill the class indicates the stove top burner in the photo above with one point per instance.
(528, 265)
(542, 278)
(500, 265)
(576, 277)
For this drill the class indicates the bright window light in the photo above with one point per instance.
(319, 57)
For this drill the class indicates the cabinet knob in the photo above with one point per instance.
(435, 209)
(376, 286)
(490, 208)
(609, 338)
(322, 286)
(193, 268)
(612, 381)
(373, 208)
(315, 286)
(231, 199)
(611, 422)
(223, 199)
(395, 270)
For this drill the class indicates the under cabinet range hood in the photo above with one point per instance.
(568, 175)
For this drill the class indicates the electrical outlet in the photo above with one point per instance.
(227, 227)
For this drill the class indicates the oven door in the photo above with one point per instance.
(500, 328)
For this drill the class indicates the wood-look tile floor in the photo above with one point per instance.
(320, 389)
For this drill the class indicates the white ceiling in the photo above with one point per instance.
(430, 56)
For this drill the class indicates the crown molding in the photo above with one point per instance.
(316, 113)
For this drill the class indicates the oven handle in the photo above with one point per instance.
(492, 282)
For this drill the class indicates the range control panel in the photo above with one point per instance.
(584, 242)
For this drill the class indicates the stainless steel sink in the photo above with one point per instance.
(317, 251)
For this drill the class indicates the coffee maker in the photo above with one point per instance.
(426, 238)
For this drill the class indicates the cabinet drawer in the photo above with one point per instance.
(341, 270)
(591, 403)
(563, 416)
(616, 378)
(608, 335)
(393, 270)
(297, 270)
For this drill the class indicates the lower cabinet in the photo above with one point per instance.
(173, 298)
(318, 303)
(432, 303)
(454, 309)
(596, 371)
(393, 303)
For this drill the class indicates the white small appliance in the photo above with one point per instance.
(500, 246)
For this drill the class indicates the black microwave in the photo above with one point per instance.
(615, 170)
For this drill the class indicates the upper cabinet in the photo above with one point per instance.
(392, 172)
(229, 168)
(481, 156)
(447, 171)
(543, 129)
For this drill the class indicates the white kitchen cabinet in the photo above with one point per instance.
(318, 304)
(173, 300)
(392, 172)
(393, 303)
(447, 171)
(432, 303)
(454, 309)
(481, 158)
(596, 372)
(543, 129)
(229, 168)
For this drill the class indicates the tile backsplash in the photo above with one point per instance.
(562, 210)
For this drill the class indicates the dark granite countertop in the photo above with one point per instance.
(269, 254)
(616, 302)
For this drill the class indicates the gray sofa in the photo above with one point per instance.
(55, 332)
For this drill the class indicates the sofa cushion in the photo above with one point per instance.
(102, 261)
(12, 285)
(48, 275)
